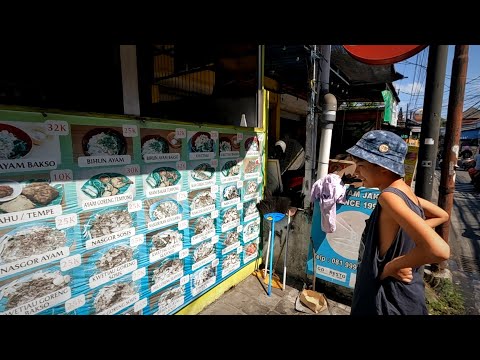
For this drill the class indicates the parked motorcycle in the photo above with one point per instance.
(468, 163)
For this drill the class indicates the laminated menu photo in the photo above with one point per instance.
(203, 253)
(165, 272)
(158, 146)
(97, 188)
(115, 296)
(203, 278)
(42, 291)
(231, 262)
(202, 201)
(28, 146)
(202, 145)
(110, 262)
(99, 146)
(250, 251)
(230, 194)
(202, 174)
(250, 211)
(164, 211)
(251, 189)
(203, 227)
(165, 242)
(229, 145)
(252, 145)
(162, 180)
(230, 170)
(32, 245)
(107, 225)
(230, 240)
(168, 300)
(30, 197)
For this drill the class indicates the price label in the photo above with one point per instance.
(140, 304)
(215, 239)
(214, 214)
(56, 127)
(181, 165)
(214, 163)
(66, 221)
(214, 195)
(182, 224)
(239, 206)
(214, 135)
(214, 188)
(132, 170)
(61, 175)
(259, 180)
(239, 184)
(137, 240)
(240, 136)
(239, 228)
(130, 130)
(182, 196)
(70, 262)
(180, 133)
(184, 280)
(183, 253)
(259, 199)
(74, 303)
(239, 249)
(215, 263)
(135, 205)
(138, 274)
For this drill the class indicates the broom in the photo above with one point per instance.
(271, 204)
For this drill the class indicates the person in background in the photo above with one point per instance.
(399, 237)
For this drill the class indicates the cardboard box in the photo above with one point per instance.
(315, 301)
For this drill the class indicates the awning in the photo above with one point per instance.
(470, 134)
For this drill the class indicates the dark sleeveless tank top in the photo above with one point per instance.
(389, 296)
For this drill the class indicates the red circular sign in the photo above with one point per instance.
(382, 54)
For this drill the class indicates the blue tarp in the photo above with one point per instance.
(470, 134)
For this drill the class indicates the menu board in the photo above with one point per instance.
(111, 216)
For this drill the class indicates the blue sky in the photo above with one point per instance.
(412, 88)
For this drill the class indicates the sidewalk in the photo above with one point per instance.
(250, 298)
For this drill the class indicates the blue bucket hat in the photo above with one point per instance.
(383, 148)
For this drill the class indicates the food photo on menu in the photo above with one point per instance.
(165, 272)
(104, 226)
(100, 146)
(229, 145)
(167, 300)
(165, 242)
(161, 180)
(160, 145)
(201, 145)
(26, 198)
(28, 146)
(42, 291)
(114, 296)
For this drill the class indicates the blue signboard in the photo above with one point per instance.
(337, 253)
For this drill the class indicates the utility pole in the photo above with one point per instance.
(432, 109)
(310, 127)
(452, 137)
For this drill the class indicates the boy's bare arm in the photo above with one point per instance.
(435, 215)
(430, 247)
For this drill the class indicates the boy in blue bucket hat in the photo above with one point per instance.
(399, 237)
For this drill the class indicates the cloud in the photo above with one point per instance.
(415, 88)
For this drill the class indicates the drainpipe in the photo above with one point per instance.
(323, 87)
(329, 115)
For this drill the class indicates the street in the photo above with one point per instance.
(465, 242)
